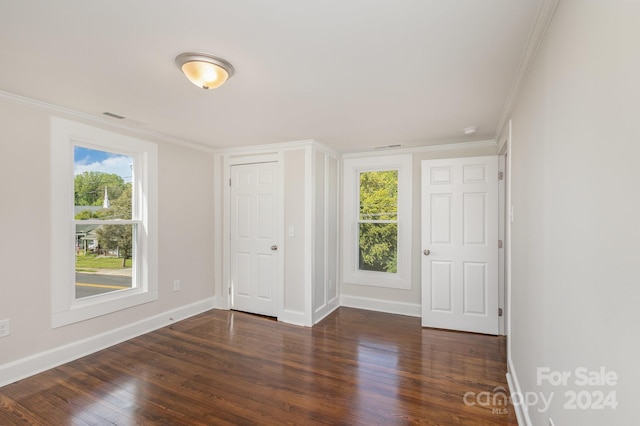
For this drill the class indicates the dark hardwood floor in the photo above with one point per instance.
(225, 367)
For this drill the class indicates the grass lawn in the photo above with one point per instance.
(90, 263)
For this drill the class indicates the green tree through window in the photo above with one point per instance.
(378, 221)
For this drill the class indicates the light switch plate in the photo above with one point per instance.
(4, 328)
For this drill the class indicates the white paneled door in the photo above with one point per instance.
(254, 253)
(460, 244)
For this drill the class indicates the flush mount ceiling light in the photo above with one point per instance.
(204, 70)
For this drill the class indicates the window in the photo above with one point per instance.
(377, 237)
(378, 221)
(104, 229)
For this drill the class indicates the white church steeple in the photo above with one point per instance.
(105, 203)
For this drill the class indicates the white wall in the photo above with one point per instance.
(325, 224)
(576, 229)
(185, 244)
(310, 281)
(295, 247)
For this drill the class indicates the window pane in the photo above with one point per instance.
(378, 247)
(379, 195)
(102, 184)
(104, 258)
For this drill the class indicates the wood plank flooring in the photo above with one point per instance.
(222, 367)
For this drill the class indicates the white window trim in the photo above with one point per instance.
(66, 309)
(352, 168)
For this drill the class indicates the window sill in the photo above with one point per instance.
(98, 306)
(378, 279)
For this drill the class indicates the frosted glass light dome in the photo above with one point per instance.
(204, 70)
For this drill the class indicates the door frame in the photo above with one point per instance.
(506, 212)
(234, 160)
(502, 237)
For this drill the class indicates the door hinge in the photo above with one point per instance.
(229, 182)
(500, 175)
(229, 291)
(499, 312)
(499, 243)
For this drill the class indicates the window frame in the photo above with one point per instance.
(65, 135)
(352, 168)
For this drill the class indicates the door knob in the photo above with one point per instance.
(426, 252)
(274, 247)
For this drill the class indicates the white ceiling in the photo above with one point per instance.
(351, 74)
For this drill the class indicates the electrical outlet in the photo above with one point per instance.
(4, 328)
(176, 285)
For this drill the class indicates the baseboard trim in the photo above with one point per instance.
(220, 303)
(521, 410)
(37, 363)
(327, 310)
(294, 317)
(400, 308)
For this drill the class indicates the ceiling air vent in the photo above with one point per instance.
(395, 145)
(112, 115)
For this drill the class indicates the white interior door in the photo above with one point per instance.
(254, 254)
(460, 244)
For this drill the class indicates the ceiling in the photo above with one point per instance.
(350, 74)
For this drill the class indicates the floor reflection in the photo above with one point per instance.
(355, 367)
(377, 375)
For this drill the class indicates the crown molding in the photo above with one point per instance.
(276, 147)
(490, 143)
(536, 35)
(326, 149)
(233, 151)
(57, 109)
(252, 149)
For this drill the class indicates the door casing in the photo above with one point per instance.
(231, 160)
